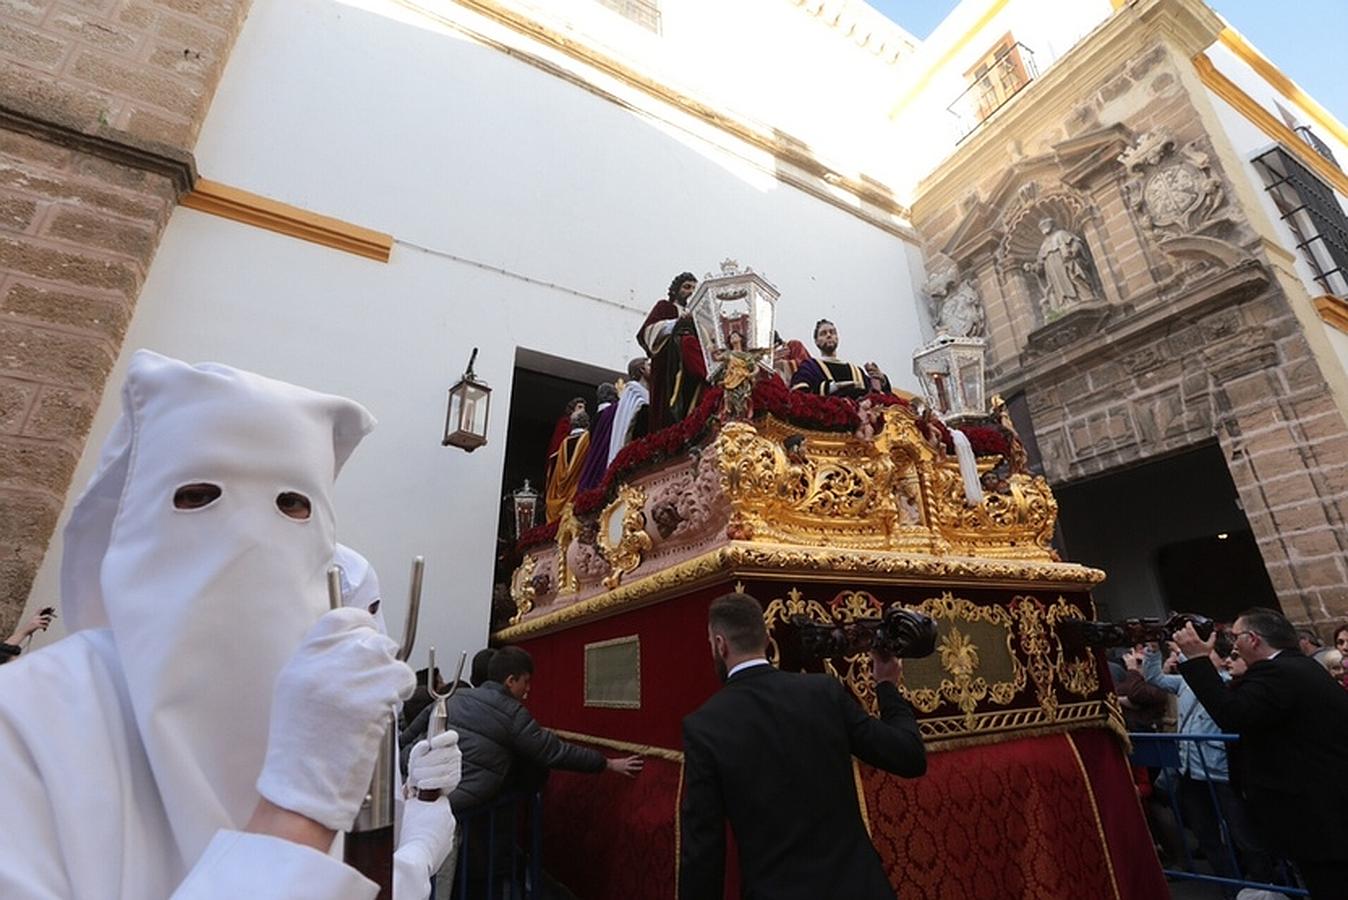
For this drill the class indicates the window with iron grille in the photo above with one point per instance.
(1312, 211)
(645, 13)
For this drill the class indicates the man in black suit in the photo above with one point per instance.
(1292, 719)
(772, 752)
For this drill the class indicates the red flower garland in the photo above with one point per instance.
(770, 396)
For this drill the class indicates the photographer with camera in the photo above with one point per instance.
(1293, 723)
(772, 753)
(18, 641)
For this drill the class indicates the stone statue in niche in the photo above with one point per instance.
(954, 304)
(1064, 269)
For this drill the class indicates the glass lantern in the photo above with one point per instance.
(524, 502)
(734, 311)
(950, 370)
(466, 418)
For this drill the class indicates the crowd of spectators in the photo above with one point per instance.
(1218, 803)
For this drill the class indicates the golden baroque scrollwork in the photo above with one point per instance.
(625, 554)
(959, 658)
(890, 493)
(1017, 523)
(568, 529)
(522, 590)
(776, 561)
(839, 492)
(1029, 643)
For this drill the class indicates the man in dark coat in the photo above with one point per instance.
(678, 368)
(496, 734)
(772, 753)
(1292, 719)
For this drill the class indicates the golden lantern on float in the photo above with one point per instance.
(466, 417)
(951, 372)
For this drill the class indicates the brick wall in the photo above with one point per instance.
(101, 102)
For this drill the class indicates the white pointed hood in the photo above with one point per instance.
(205, 605)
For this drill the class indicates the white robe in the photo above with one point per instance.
(82, 816)
(634, 398)
(129, 751)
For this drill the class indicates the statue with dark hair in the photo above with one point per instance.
(827, 376)
(601, 430)
(678, 368)
(564, 463)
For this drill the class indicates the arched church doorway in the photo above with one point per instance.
(1170, 533)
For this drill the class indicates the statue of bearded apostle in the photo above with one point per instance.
(678, 368)
(565, 463)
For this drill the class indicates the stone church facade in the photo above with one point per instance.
(1172, 323)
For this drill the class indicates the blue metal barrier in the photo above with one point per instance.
(1162, 751)
(485, 876)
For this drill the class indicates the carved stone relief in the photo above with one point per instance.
(953, 301)
(1174, 191)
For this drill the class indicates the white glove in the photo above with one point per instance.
(331, 706)
(425, 840)
(436, 764)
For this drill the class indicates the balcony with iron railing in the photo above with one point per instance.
(1004, 77)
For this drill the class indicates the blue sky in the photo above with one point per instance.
(1301, 37)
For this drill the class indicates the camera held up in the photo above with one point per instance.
(1131, 632)
(899, 632)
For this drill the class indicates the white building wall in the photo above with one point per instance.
(1249, 142)
(484, 161)
(926, 132)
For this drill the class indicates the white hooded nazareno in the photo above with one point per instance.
(130, 750)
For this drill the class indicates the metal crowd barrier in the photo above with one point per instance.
(1162, 751)
(493, 877)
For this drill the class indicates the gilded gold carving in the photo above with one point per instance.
(892, 493)
(773, 561)
(959, 655)
(1017, 524)
(522, 590)
(568, 529)
(624, 555)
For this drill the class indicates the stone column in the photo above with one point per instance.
(100, 107)
(1286, 443)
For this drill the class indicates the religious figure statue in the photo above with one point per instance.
(953, 303)
(1064, 268)
(564, 463)
(736, 372)
(596, 455)
(1017, 460)
(678, 369)
(828, 376)
(630, 419)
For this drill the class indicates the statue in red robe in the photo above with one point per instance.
(678, 369)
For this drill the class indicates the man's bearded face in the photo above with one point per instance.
(685, 291)
(580, 418)
(826, 339)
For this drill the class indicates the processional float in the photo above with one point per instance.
(832, 513)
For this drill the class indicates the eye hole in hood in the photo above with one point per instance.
(196, 496)
(293, 505)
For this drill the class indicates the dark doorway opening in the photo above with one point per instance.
(540, 390)
(1154, 528)
(1219, 575)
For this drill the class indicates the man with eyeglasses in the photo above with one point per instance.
(1204, 783)
(1293, 723)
